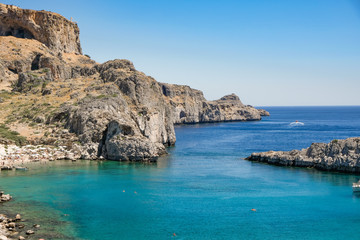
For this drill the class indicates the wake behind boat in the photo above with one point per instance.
(296, 124)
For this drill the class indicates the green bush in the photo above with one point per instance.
(6, 133)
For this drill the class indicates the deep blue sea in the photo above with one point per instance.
(203, 189)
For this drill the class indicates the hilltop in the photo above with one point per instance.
(51, 94)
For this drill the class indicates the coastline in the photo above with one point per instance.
(337, 156)
(12, 156)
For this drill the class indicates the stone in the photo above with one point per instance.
(11, 225)
(21, 238)
(338, 155)
(5, 198)
(18, 217)
(29, 232)
(21, 225)
(36, 225)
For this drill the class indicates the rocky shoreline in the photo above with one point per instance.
(57, 103)
(16, 157)
(14, 228)
(338, 156)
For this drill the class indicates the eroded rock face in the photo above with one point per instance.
(51, 29)
(190, 106)
(338, 155)
(108, 110)
(130, 122)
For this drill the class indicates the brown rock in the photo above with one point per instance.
(29, 232)
(51, 29)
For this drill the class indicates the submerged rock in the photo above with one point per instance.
(29, 232)
(338, 155)
(5, 197)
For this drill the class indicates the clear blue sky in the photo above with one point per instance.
(269, 52)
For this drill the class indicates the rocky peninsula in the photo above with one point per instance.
(338, 155)
(52, 95)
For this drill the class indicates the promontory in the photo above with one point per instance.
(53, 95)
(338, 155)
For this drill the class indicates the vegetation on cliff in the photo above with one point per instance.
(53, 95)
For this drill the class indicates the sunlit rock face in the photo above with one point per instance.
(51, 29)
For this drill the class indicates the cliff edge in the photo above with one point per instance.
(51, 94)
(51, 29)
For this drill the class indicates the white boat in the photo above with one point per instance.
(296, 124)
(356, 186)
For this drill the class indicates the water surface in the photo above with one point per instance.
(203, 189)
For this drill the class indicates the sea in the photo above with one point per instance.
(203, 189)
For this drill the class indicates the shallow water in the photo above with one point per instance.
(203, 189)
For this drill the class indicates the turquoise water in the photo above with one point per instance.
(203, 189)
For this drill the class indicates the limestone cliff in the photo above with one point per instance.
(53, 95)
(338, 155)
(190, 106)
(51, 29)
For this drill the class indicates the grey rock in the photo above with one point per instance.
(190, 106)
(338, 155)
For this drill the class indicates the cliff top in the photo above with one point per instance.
(51, 29)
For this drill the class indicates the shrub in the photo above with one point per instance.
(6, 133)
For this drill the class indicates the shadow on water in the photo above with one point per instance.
(334, 178)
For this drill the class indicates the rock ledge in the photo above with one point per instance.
(338, 155)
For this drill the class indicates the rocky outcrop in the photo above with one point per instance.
(338, 155)
(51, 29)
(190, 106)
(131, 121)
(107, 110)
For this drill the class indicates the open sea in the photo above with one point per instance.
(203, 189)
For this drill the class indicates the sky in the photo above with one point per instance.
(268, 52)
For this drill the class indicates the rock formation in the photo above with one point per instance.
(338, 155)
(51, 29)
(190, 106)
(107, 110)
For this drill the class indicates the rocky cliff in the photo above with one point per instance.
(53, 95)
(51, 29)
(338, 155)
(190, 106)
